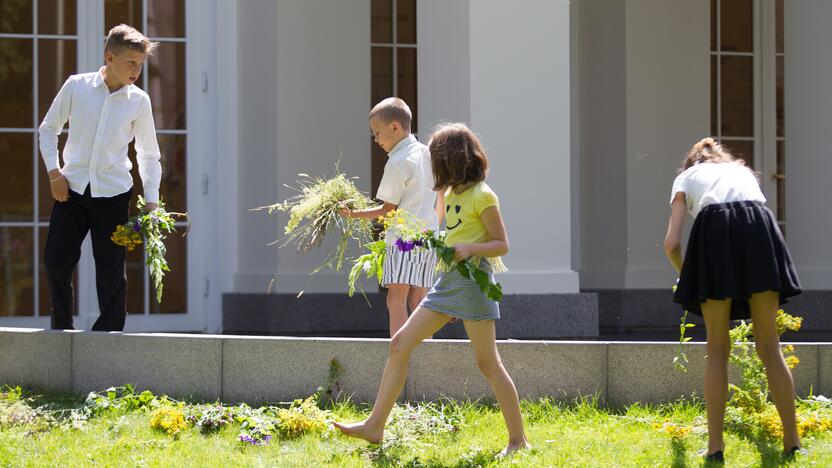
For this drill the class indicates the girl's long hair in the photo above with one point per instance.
(457, 157)
(708, 150)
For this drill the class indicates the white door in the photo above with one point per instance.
(57, 42)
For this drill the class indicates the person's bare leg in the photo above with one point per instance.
(415, 296)
(421, 324)
(764, 307)
(716, 314)
(397, 295)
(483, 340)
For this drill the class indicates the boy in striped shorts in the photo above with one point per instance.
(407, 184)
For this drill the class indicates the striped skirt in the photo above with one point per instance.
(461, 297)
(416, 267)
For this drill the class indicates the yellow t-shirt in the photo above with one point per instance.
(463, 221)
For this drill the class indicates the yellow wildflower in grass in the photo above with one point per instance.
(769, 422)
(293, 424)
(169, 420)
(675, 431)
(812, 424)
(792, 361)
(302, 417)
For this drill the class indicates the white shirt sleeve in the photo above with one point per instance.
(678, 186)
(393, 182)
(53, 124)
(147, 152)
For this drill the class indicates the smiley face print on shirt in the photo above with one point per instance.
(457, 208)
(463, 213)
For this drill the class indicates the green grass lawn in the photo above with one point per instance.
(453, 434)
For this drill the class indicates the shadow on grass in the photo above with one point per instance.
(393, 457)
(678, 449)
(771, 454)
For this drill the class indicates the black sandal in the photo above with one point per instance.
(716, 457)
(794, 451)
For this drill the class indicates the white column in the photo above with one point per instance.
(444, 64)
(520, 98)
(256, 161)
(322, 92)
(668, 110)
(808, 73)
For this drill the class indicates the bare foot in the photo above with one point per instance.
(513, 447)
(360, 431)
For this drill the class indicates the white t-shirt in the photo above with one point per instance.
(408, 181)
(707, 183)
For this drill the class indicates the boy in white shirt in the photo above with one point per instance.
(92, 189)
(407, 184)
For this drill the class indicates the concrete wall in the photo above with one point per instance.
(644, 99)
(808, 72)
(258, 369)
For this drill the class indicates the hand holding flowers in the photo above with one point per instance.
(151, 227)
(410, 233)
(314, 212)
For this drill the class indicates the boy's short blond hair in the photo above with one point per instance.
(127, 37)
(393, 109)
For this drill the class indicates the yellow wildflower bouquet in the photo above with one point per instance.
(150, 228)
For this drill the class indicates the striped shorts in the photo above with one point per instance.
(416, 267)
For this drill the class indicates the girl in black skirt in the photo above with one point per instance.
(736, 266)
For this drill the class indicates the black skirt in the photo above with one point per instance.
(735, 250)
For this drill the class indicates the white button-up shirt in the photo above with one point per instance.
(101, 125)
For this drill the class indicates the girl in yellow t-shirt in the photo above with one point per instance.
(475, 229)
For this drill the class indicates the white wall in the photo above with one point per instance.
(256, 162)
(645, 99)
(668, 110)
(603, 137)
(808, 73)
(520, 97)
(443, 63)
(323, 95)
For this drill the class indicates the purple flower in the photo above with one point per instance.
(137, 226)
(404, 246)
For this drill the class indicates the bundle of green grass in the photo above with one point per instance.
(313, 213)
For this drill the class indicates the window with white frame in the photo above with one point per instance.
(393, 63)
(747, 113)
(163, 78)
(38, 51)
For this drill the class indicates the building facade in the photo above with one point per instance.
(585, 108)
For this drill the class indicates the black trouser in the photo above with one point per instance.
(68, 226)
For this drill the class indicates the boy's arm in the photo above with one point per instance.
(52, 126)
(372, 213)
(148, 154)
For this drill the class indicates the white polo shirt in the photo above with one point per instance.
(102, 124)
(408, 181)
